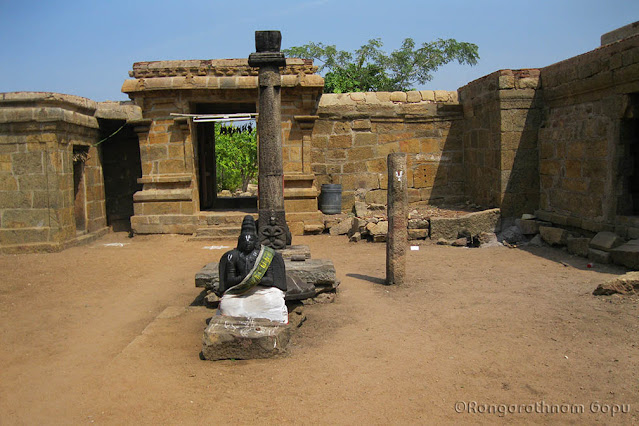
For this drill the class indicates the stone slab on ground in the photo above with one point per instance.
(554, 236)
(625, 284)
(475, 223)
(606, 241)
(244, 338)
(319, 272)
(626, 254)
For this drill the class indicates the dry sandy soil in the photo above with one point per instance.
(104, 334)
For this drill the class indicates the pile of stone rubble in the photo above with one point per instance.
(369, 222)
(603, 247)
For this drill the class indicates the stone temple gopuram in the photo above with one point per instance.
(559, 142)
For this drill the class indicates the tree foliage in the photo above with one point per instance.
(236, 157)
(369, 68)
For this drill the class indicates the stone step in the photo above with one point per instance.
(217, 232)
(223, 218)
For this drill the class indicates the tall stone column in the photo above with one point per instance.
(397, 238)
(272, 228)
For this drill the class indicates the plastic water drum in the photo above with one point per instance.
(331, 198)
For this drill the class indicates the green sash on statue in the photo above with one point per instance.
(253, 278)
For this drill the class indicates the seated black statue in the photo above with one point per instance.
(235, 265)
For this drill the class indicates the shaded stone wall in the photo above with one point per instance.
(40, 207)
(121, 170)
(584, 162)
(355, 133)
(502, 112)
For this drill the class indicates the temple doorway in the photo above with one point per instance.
(225, 163)
(628, 204)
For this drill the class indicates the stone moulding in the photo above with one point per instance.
(213, 67)
(214, 74)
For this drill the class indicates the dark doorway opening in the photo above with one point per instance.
(121, 168)
(212, 196)
(628, 204)
(80, 155)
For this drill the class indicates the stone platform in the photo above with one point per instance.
(244, 338)
(316, 273)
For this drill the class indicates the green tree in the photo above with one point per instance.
(236, 157)
(370, 69)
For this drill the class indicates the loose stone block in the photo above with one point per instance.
(243, 338)
(599, 256)
(417, 234)
(448, 227)
(626, 254)
(342, 227)
(554, 236)
(578, 246)
(527, 226)
(606, 241)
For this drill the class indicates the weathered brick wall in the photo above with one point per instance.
(502, 112)
(581, 153)
(355, 133)
(37, 134)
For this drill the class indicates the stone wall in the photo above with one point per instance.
(41, 207)
(585, 163)
(355, 132)
(502, 112)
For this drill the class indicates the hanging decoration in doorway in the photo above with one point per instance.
(234, 130)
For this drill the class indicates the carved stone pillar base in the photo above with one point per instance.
(272, 229)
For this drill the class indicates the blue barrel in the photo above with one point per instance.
(331, 198)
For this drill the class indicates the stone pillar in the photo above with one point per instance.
(397, 239)
(272, 228)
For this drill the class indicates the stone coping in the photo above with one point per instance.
(389, 98)
(112, 110)
(32, 99)
(191, 82)
(213, 67)
(50, 106)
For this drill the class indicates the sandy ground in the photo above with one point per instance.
(104, 334)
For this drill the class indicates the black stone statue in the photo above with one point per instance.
(236, 264)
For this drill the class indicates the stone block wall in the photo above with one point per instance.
(584, 161)
(355, 132)
(502, 112)
(169, 201)
(39, 208)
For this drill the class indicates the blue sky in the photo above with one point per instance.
(87, 47)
